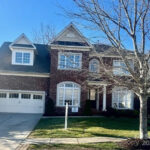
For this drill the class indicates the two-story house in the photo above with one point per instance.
(31, 73)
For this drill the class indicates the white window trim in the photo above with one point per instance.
(57, 102)
(90, 63)
(23, 51)
(122, 89)
(69, 53)
(120, 73)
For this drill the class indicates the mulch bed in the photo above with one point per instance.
(135, 144)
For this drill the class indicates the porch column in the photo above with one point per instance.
(104, 98)
(97, 99)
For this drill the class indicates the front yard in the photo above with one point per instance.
(86, 127)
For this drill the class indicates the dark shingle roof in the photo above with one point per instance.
(41, 60)
(108, 50)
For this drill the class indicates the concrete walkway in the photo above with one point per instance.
(71, 140)
(24, 145)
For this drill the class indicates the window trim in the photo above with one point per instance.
(122, 89)
(90, 63)
(57, 96)
(22, 51)
(69, 53)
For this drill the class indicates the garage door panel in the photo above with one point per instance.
(23, 105)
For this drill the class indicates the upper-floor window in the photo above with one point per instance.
(120, 68)
(94, 66)
(22, 57)
(69, 61)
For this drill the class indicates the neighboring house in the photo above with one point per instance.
(31, 73)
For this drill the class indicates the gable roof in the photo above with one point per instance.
(22, 42)
(41, 60)
(71, 36)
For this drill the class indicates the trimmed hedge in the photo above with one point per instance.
(49, 107)
(120, 113)
(87, 108)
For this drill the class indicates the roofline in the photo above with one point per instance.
(64, 47)
(22, 35)
(71, 24)
(24, 74)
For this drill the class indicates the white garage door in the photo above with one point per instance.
(22, 101)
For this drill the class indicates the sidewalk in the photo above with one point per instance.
(71, 140)
(24, 145)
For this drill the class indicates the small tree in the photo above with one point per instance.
(44, 35)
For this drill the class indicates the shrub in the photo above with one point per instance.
(121, 113)
(49, 107)
(135, 144)
(87, 108)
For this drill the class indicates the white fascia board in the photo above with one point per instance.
(76, 48)
(24, 74)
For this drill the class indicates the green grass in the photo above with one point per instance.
(86, 127)
(98, 146)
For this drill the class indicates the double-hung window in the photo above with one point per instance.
(69, 61)
(122, 98)
(120, 68)
(22, 58)
(68, 92)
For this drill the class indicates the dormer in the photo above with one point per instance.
(71, 39)
(23, 51)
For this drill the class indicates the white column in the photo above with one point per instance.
(104, 98)
(97, 100)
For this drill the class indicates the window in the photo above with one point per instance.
(25, 96)
(37, 96)
(69, 61)
(3, 95)
(92, 94)
(13, 95)
(122, 98)
(22, 57)
(94, 66)
(68, 92)
(119, 67)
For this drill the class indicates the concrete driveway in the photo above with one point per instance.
(14, 128)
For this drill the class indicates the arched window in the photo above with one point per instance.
(94, 66)
(68, 92)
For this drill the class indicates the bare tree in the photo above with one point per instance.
(123, 21)
(44, 35)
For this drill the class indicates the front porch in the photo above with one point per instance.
(99, 95)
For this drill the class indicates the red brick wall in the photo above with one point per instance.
(58, 76)
(24, 83)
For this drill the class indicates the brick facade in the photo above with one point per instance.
(24, 83)
(58, 76)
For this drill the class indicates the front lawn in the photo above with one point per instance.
(100, 146)
(86, 127)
